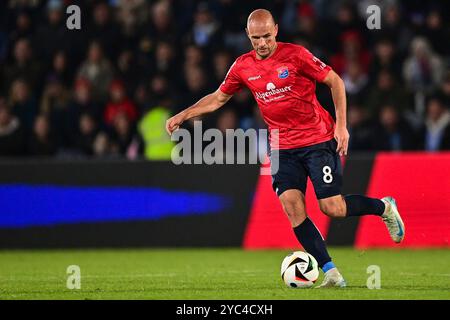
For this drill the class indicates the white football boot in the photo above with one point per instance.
(332, 279)
(392, 219)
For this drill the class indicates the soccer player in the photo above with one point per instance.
(282, 78)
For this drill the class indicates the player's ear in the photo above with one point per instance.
(276, 30)
(246, 31)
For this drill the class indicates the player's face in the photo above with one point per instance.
(263, 39)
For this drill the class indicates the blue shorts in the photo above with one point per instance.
(319, 162)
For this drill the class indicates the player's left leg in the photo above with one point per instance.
(324, 168)
(358, 205)
(351, 206)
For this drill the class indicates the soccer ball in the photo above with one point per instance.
(299, 270)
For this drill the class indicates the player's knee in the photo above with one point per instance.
(293, 208)
(333, 209)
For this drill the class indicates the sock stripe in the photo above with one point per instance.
(317, 230)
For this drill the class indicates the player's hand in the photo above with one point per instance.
(342, 136)
(174, 123)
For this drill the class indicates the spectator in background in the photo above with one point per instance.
(60, 68)
(122, 133)
(355, 81)
(308, 31)
(51, 36)
(196, 86)
(98, 71)
(435, 32)
(54, 105)
(133, 9)
(387, 91)
(360, 129)
(165, 52)
(87, 133)
(41, 142)
(395, 28)
(127, 69)
(131, 15)
(221, 62)
(344, 22)
(393, 132)
(436, 132)
(24, 67)
(55, 97)
(205, 30)
(104, 30)
(24, 27)
(444, 91)
(23, 104)
(385, 58)
(157, 144)
(144, 54)
(159, 90)
(423, 69)
(102, 146)
(352, 51)
(194, 57)
(12, 135)
(119, 103)
(156, 92)
(162, 24)
(165, 60)
(80, 103)
(232, 18)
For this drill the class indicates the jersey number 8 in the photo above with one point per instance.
(327, 177)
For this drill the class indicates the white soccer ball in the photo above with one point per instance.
(299, 270)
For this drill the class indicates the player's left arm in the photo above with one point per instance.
(337, 87)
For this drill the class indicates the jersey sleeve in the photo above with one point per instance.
(232, 82)
(312, 67)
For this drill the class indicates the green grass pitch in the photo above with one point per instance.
(215, 274)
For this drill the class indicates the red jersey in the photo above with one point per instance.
(284, 86)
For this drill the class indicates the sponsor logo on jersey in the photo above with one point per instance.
(283, 72)
(254, 78)
(272, 93)
(270, 86)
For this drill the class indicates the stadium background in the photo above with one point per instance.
(85, 160)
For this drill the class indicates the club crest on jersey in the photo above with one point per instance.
(283, 72)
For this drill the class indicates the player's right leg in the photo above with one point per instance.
(293, 203)
(289, 183)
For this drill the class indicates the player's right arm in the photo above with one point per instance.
(207, 104)
(213, 101)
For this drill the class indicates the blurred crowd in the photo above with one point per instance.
(107, 89)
